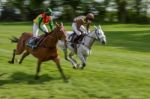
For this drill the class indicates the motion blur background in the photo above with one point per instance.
(106, 11)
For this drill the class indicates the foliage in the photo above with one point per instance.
(123, 11)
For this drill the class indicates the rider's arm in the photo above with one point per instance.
(51, 25)
(40, 22)
(88, 27)
(79, 23)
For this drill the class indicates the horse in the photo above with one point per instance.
(47, 49)
(83, 48)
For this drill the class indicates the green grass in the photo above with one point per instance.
(119, 70)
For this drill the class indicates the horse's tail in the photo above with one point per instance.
(14, 39)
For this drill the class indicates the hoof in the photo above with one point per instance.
(83, 65)
(74, 67)
(11, 62)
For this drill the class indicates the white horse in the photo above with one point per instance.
(84, 47)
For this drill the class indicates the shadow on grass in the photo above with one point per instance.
(20, 77)
(130, 40)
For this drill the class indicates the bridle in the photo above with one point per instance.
(87, 35)
(51, 34)
(96, 35)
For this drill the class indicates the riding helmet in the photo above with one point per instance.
(90, 16)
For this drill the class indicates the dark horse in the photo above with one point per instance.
(47, 49)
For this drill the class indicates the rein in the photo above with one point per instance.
(87, 35)
(91, 36)
(84, 40)
(52, 36)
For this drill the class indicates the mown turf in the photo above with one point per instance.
(119, 70)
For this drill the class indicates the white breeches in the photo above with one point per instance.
(82, 28)
(36, 29)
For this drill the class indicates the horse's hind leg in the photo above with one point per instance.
(13, 58)
(57, 61)
(15, 52)
(38, 69)
(23, 56)
(20, 48)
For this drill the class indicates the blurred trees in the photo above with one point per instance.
(122, 11)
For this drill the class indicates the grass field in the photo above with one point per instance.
(119, 70)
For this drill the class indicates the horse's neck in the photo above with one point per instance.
(51, 40)
(88, 40)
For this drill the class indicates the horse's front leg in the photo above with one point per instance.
(57, 61)
(83, 53)
(38, 69)
(13, 58)
(73, 61)
(83, 60)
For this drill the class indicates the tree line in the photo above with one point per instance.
(119, 11)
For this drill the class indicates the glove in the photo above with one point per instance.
(45, 32)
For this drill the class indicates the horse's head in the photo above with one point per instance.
(60, 31)
(99, 34)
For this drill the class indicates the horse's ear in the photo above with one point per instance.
(99, 26)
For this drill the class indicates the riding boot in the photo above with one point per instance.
(73, 40)
(33, 43)
(76, 38)
(36, 42)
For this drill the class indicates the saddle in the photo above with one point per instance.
(76, 40)
(34, 42)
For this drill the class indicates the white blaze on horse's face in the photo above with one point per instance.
(100, 35)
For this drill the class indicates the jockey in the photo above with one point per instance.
(40, 23)
(79, 24)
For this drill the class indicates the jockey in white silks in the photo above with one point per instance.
(80, 26)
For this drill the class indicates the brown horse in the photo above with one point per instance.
(46, 50)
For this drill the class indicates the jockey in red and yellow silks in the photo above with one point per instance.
(40, 22)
